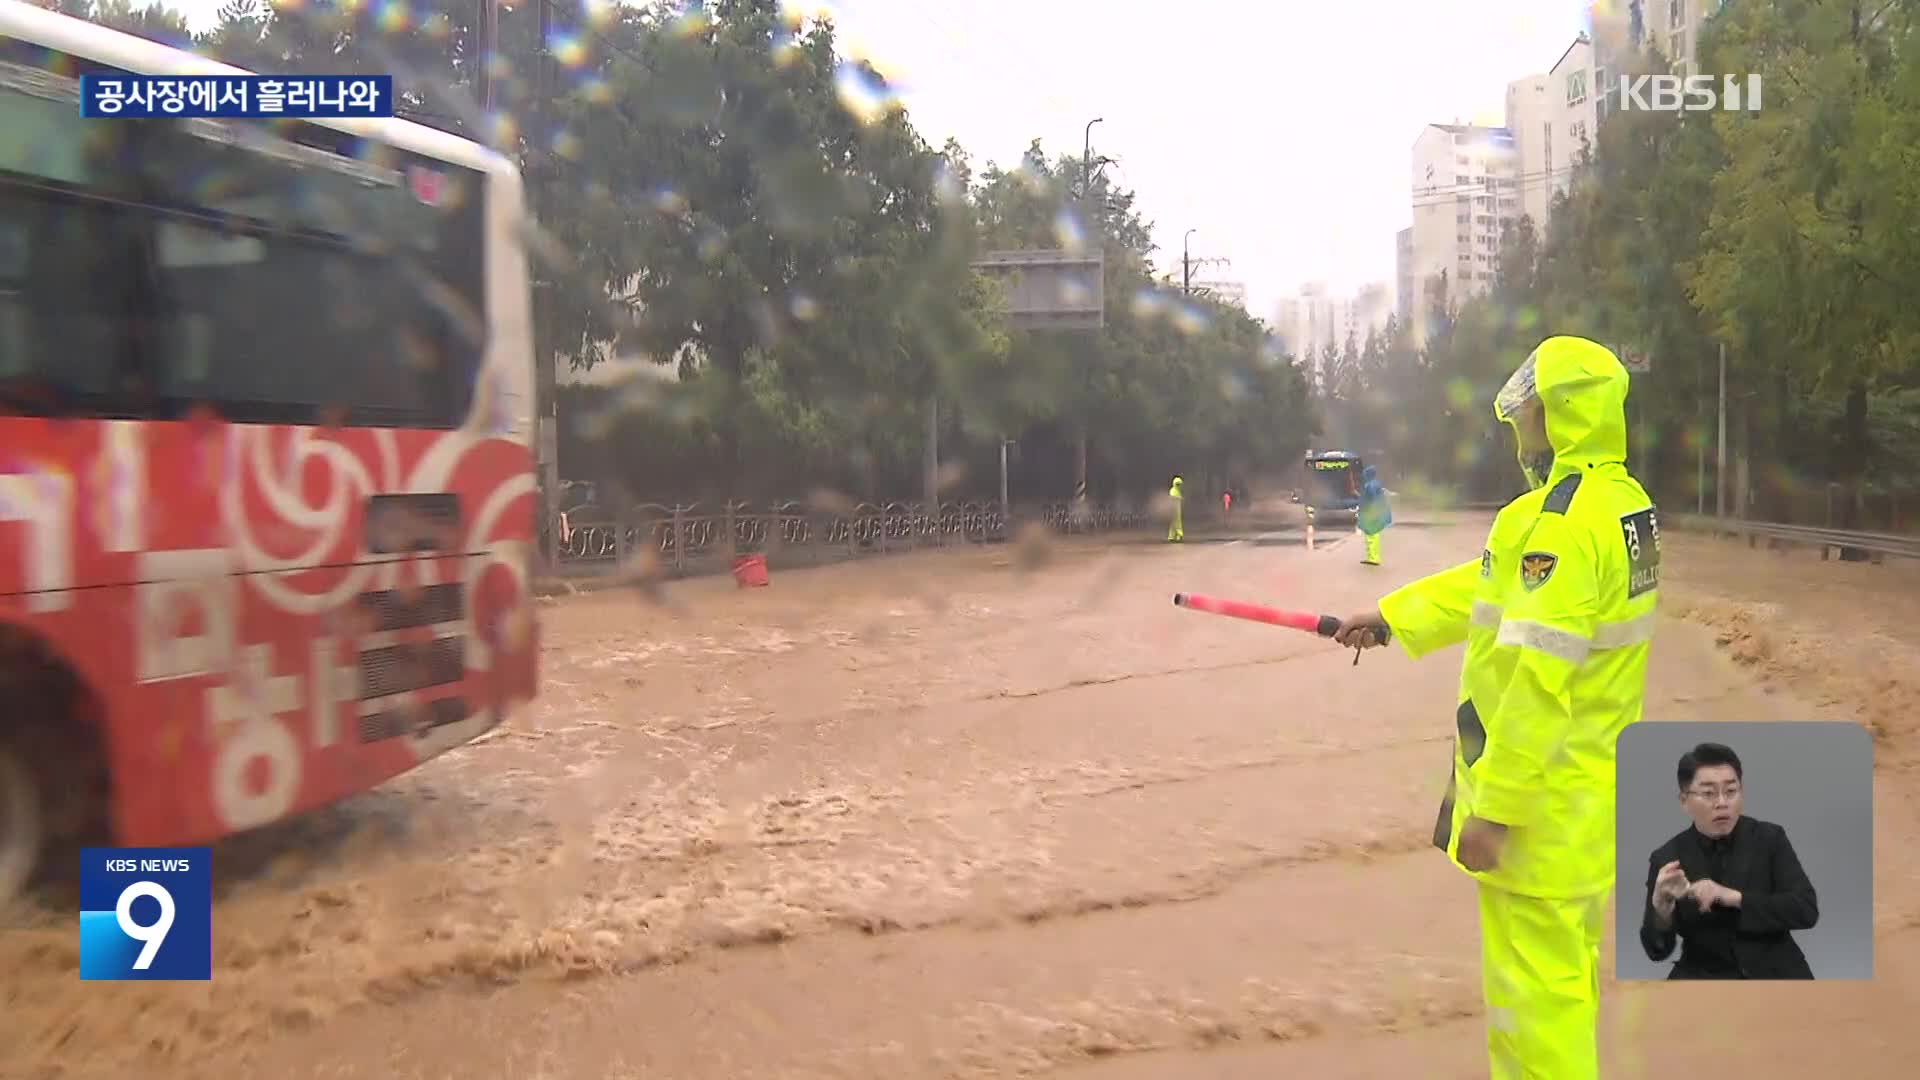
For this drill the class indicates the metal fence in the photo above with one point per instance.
(694, 538)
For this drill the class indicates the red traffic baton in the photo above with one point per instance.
(1324, 625)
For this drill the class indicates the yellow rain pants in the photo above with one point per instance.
(1540, 965)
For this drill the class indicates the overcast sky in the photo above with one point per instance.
(1280, 129)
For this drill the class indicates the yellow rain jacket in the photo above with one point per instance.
(1557, 615)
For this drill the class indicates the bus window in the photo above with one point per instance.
(277, 280)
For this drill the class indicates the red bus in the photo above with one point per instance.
(267, 485)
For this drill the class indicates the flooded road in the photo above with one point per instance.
(980, 814)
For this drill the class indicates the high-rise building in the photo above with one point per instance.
(1465, 192)
(1555, 117)
(1309, 323)
(1628, 33)
(1532, 114)
(1368, 311)
(1572, 86)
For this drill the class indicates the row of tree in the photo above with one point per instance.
(1786, 236)
(724, 193)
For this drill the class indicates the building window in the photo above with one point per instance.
(1576, 87)
(1676, 13)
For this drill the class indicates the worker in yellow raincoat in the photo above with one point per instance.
(1176, 530)
(1557, 615)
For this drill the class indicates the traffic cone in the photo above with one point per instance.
(1309, 528)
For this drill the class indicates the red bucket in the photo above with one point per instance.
(750, 571)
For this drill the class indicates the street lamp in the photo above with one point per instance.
(1080, 444)
(1086, 156)
(1186, 264)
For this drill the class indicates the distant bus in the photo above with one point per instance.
(1331, 482)
(266, 471)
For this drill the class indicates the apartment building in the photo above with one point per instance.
(1466, 191)
(1306, 324)
(1555, 117)
(1627, 33)
(1532, 113)
(1367, 311)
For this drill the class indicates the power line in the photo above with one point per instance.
(1436, 196)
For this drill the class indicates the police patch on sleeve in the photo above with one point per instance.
(1641, 534)
(1535, 568)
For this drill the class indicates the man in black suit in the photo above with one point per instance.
(1729, 888)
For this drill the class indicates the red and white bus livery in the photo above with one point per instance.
(267, 486)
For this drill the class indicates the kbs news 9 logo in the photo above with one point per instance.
(146, 913)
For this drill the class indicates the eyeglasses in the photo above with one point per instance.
(1715, 794)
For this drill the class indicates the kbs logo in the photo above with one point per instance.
(1691, 93)
(146, 913)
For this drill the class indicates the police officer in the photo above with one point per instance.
(1557, 615)
(1177, 528)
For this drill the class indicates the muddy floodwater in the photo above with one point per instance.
(997, 812)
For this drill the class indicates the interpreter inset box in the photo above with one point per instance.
(1745, 851)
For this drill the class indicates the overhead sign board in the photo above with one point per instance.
(1050, 288)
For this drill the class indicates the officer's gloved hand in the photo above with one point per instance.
(1364, 630)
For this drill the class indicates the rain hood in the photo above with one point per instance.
(1584, 388)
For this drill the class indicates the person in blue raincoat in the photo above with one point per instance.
(1375, 513)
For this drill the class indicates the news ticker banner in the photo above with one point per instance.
(327, 97)
(146, 913)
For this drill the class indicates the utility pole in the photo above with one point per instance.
(1700, 444)
(931, 462)
(1720, 469)
(488, 41)
(546, 396)
(1006, 509)
(1086, 189)
(1188, 262)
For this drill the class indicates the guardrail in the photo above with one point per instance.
(1882, 544)
(1826, 539)
(691, 538)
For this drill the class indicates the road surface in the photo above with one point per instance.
(975, 814)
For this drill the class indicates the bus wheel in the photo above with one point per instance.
(54, 786)
(23, 832)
